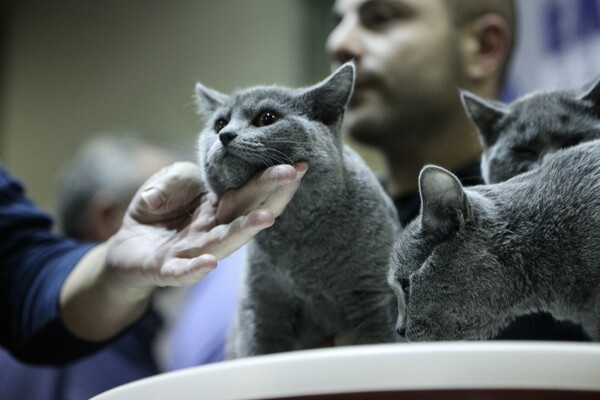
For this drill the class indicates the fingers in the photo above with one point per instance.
(184, 271)
(173, 190)
(279, 199)
(271, 189)
(190, 262)
(223, 240)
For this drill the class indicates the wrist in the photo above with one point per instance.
(93, 305)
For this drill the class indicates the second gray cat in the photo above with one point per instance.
(517, 136)
(478, 257)
(318, 276)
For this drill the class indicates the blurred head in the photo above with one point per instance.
(413, 55)
(97, 185)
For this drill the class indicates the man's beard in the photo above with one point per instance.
(381, 125)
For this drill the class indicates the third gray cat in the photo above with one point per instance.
(478, 257)
(517, 136)
(318, 276)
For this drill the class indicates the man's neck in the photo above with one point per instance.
(451, 147)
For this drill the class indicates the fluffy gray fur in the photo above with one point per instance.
(478, 257)
(318, 276)
(516, 137)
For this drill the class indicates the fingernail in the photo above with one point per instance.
(277, 172)
(153, 198)
(300, 172)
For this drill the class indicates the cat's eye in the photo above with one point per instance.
(220, 124)
(571, 142)
(265, 118)
(405, 285)
(526, 153)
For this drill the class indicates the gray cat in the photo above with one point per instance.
(478, 257)
(517, 136)
(318, 276)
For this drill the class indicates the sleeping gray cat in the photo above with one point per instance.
(478, 257)
(318, 275)
(517, 136)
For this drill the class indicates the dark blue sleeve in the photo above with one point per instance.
(34, 263)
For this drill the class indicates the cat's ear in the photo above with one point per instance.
(444, 203)
(485, 114)
(327, 100)
(591, 92)
(208, 100)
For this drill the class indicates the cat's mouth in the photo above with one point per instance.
(244, 166)
(261, 160)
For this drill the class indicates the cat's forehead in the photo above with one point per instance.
(544, 101)
(410, 246)
(543, 108)
(261, 97)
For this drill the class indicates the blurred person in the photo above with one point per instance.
(412, 56)
(94, 190)
(96, 186)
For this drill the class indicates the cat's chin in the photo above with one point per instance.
(434, 334)
(228, 173)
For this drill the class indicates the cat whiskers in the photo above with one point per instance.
(279, 156)
(287, 141)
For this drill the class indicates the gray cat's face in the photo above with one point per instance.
(448, 288)
(516, 137)
(256, 128)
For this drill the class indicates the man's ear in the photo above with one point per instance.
(485, 44)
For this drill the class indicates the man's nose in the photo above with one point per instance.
(344, 41)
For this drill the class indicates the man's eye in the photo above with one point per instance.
(220, 124)
(335, 20)
(379, 15)
(265, 118)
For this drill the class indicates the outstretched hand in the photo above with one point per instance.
(175, 231)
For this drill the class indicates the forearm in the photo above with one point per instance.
(93, 306)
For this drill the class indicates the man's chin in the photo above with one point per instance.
(362, 98)
(362, 130)
(363, 122)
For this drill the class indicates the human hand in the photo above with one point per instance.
(172, 235)
(174, 231)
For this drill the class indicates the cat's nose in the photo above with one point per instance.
(401, 332)
(226, 137)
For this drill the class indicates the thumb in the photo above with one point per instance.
(173, 190)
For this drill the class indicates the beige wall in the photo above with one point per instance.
(73, 68)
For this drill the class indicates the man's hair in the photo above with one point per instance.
(465, 11)
(107, 164)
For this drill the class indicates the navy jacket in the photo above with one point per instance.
(34, 263)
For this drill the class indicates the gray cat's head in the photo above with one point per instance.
(266, 125)
(517, 136)
(448, 286)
